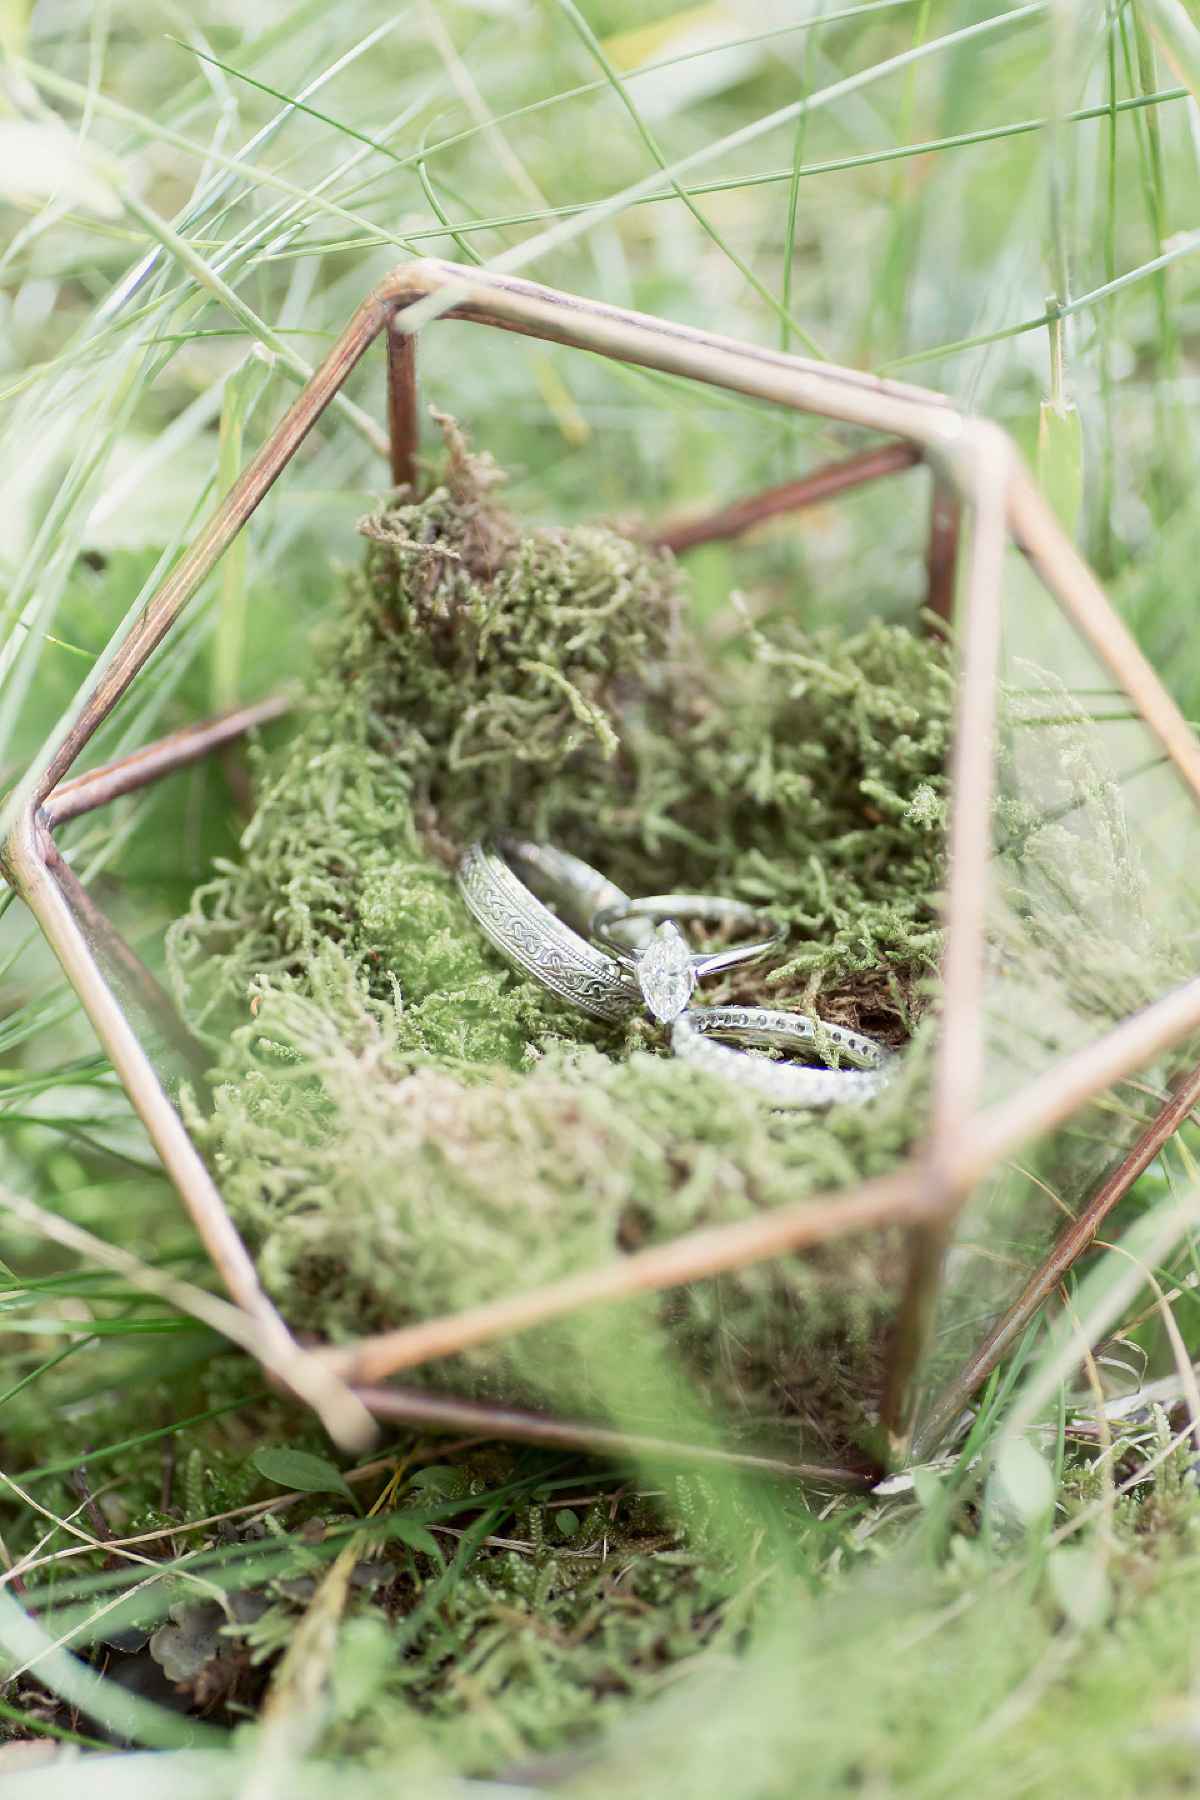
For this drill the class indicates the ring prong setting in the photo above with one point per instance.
(666, 973)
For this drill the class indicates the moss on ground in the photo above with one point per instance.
(402, 1125)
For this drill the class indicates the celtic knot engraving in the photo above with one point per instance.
(537, 943)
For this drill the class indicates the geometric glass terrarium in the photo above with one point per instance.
(1072, 917)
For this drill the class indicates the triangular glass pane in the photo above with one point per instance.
(1093, 913)
(1093, 903)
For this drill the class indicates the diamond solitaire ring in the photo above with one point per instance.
(535, 940)
(666, 969)
(510, 884)
(781, 1084)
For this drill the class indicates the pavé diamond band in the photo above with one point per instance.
(780, 1084)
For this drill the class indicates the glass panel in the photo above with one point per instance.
(1093, 913)
(1093, 905)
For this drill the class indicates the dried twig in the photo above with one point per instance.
(232, 1322)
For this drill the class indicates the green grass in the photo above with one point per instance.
(898, 186)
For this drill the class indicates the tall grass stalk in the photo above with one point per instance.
(200, 200)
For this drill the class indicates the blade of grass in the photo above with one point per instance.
(1189, 247)
(219, 1315)
(80, 1343)
(207, 277)
(567, 230)
(1103, 1295)
(475, 104)
(439, 212)
(596, 50)
(29, 1721)
(294, 104)
(118, 1709)
(789, 239)
(64, 88)
(823, 19)
(240, 396)
(769, 177)
(44, 1471)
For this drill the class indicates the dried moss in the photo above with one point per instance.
(402, 1125)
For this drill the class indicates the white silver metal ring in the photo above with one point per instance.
(611, 924)
(780, 1084)
(666, 968)
(532, 938)
(571, 888)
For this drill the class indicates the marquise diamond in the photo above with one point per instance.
(666, 973)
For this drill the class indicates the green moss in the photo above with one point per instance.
(548, 1632)
(483, 678)
(403, 1126)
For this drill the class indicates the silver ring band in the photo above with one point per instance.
(532, 938)
(571, 888)
(780, 1084)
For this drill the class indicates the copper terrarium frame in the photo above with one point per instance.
(971, 461)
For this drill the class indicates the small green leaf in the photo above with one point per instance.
(1026, 1481)
(1060, 462)
(438, 1478)
(299, 1469)
(567, 1522)
(416, 1536)
(1080, 1585)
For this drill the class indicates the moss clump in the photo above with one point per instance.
(482, 678)
(577, 1604)
(402, 1125)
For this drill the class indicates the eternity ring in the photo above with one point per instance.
(780, 1084)
(667, 970)
(532, 938)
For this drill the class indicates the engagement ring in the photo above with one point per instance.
(666, 969)
(645, 960)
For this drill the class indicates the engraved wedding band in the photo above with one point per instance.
(571, 888)
(532, 938)
(780, 1084)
